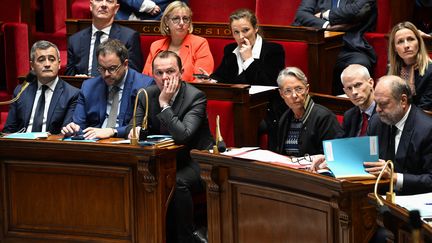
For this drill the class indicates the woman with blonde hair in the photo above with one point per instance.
(409, 59)
(176, 27)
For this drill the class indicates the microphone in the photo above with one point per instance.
(415, 222)
(220, 146)
(143, 131)
(390, 195)
(31, 77)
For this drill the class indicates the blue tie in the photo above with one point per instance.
(39, 112)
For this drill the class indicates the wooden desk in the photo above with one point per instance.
(251, 201)
(396, 221)
(54, 191)
(323, 46)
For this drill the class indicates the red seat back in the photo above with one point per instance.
(217, 48)
(216, 10)
(275, 13)
(384, 16)
(16, 53)
(225, 110)
(296, 55)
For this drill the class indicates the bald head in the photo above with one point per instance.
(393, 98)
(358, 85)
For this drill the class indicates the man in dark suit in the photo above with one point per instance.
(48, 103)
(178, 109)
(81, 51)
(358, 86)
(354, 17)
(105, 103)
(405, 137)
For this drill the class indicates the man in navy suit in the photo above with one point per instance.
(110, 95)
(59, 98)
(354, 17)
(358, 86)
(81, 44)
(405, 137)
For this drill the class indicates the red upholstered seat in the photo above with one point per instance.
(378, 39)
(275, 13)
(225, 110)
(216, 10)
(217, 46)
(3, 117)
(16, 49)
(80, 9)
(296, 54)
(146, 41)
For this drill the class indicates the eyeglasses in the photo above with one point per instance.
(110, 70)
(305, 160)
(176, 20)
(297, 90)
(110, 2)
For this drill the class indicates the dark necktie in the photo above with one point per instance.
(39, 112)
(114, 97)
(364, 124)
(94, 71)
(391, 143)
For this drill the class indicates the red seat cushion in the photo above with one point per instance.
(3, 117)
(225, 110)
(81, 9)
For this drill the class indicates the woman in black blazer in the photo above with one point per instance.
(252, 60)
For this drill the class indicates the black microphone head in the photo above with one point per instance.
(31, 77)
(221, 146)
(414, 219)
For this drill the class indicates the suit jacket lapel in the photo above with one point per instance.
(29, 101)
(127, 89)
(58, 91)
(405, 138)
(85, 46)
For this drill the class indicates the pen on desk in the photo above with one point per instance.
(428, 203)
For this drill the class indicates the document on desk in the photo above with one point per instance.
(345, 156)
(255, 89)
(28, 135)
(421, 202)
(263, 155)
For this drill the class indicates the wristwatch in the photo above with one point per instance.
(115, 132)
(165, 106)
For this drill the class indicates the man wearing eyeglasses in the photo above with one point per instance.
(105, 104)
(83, 44)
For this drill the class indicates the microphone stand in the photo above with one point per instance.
(220, 146)
(134, 138)
(390, 195)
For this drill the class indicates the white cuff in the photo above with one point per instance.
(247, 63)
(326, 15)
(399, 181)
(325, 25)
(147, 6)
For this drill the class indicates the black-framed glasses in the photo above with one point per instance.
(110, 70)
(304, 160)
(176, 19)
(297, 90)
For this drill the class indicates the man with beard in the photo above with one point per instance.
(405, 137)
(104, 107)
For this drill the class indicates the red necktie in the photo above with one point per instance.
(364, 124)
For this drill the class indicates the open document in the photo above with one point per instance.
(256, 154)
(420, 202)
(345, 156)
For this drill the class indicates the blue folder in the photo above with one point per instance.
(345, 156)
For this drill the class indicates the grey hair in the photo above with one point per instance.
(294, 72)
(355, 69)
(398, 87)
(42, 45)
